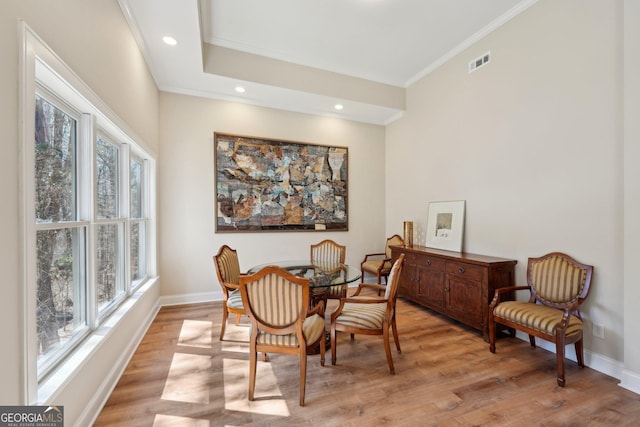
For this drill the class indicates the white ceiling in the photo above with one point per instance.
(376, 45)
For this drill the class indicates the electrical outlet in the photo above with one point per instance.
(598, 330)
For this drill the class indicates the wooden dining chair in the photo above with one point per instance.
(557, 285)
(228, 272)
(370, 315)
(277, 303)
(379, 264)
(330, 255)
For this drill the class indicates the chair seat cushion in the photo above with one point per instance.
(374, 265)
(235, 300)
(362, 316)
(312, 328)
(535, 316)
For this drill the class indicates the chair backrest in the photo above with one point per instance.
(328, 252)
(391, 290)
(227, 265)
(394, 240)
(276, 299)
(557, 280)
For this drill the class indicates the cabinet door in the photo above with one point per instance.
(408, 279)
(431, 287)
(464, 299)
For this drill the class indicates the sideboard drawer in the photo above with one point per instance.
(432, 263)
(472, 272)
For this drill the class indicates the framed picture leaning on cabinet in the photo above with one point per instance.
(445, 225)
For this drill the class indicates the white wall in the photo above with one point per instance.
(533, 142)
(187, 193)
(94, 40)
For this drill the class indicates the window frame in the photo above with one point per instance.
(42, 71)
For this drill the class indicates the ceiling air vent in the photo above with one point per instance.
(479, 62)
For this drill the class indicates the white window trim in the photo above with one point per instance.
(37, 59)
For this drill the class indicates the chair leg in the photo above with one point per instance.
(532, 341)
(560, 359)
(333, 344)
(303, 373)
(237, 319)
(580, 352)
(225, 315)
(322, 348)
(387, 349)
(492, 334)
(394, 328)
(253, 361)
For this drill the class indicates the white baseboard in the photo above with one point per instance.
(630, 381)
(190, 298)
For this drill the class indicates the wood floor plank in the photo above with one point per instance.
(181, 374)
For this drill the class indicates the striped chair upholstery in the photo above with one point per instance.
(228, 272)
(328, 253)
(370, 315)
(277, 303)
(557, 284)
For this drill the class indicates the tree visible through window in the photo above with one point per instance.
(109, 280)
(86, 190)
(58, 260)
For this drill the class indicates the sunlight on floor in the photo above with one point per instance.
(195, 333)
(187, 378)
(236, 338)
(175, 421)
(236, 384)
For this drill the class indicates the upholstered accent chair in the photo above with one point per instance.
(329, 254)
(370, 315)
(557, 284)
(228, 272)
(277, 303)
(379, 264)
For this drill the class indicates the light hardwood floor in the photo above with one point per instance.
(181, 374)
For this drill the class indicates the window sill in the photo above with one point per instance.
(64, 374)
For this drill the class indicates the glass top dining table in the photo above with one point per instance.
(319, 275)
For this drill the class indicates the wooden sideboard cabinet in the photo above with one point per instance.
(459, 285)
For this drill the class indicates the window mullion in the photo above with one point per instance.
(125, 212)
(87, 207)
(149, 214)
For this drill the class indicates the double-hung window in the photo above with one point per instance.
(60, 231)
(88, 192)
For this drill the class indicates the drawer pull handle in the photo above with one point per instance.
(428, 262)
(461, 270)
(446, 289)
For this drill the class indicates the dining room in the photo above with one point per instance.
(540, 141)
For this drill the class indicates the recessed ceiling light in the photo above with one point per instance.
(338, 106)
(170, 40)
(240, 89)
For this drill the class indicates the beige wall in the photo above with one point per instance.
(94, 40)
(631, 376)
(187, 238)
(533, 142)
